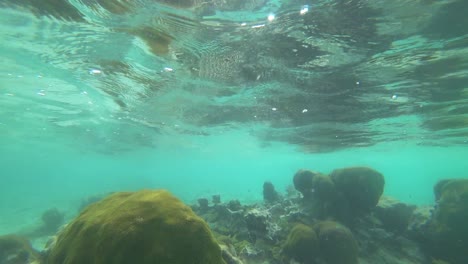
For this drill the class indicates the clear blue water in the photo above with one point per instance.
(95, 98)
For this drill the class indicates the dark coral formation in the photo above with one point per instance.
(312, 230)
(52, 219)
(393, 214)
(344, 194)
(17, 250)
(216, 199)
(302, 244)
(327, 241)
(361, 187)
(203, 203)
(136, 227)
(447, 231)
(303, 182)
(270, 195)
(337, 244)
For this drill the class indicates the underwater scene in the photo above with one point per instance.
(233, 132)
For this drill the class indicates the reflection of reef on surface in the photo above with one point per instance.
(341, 218)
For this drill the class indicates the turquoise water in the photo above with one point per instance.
(96, 98)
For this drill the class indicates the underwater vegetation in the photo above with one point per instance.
(336, 218)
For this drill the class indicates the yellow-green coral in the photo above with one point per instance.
(301, 244)
(337, 244)
(137, 227)
(360, 186)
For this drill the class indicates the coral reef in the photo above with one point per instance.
(297, 230)
(153, 226)
(136, 227)
(17, 250)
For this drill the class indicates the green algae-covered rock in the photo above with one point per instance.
(301, 244)
(136, 227)
(17, 250)
(337, 244)
(361, 187)
(448, 228)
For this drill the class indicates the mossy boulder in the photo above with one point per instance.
(361, 187)
(337, 243)
(17, 250)
(448, 229)
(301, 244)
(136, 227)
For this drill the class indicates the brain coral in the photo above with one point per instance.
(136, 227)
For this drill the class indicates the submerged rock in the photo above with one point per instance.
(136, 227)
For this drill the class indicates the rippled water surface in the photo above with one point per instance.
(218, 96)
